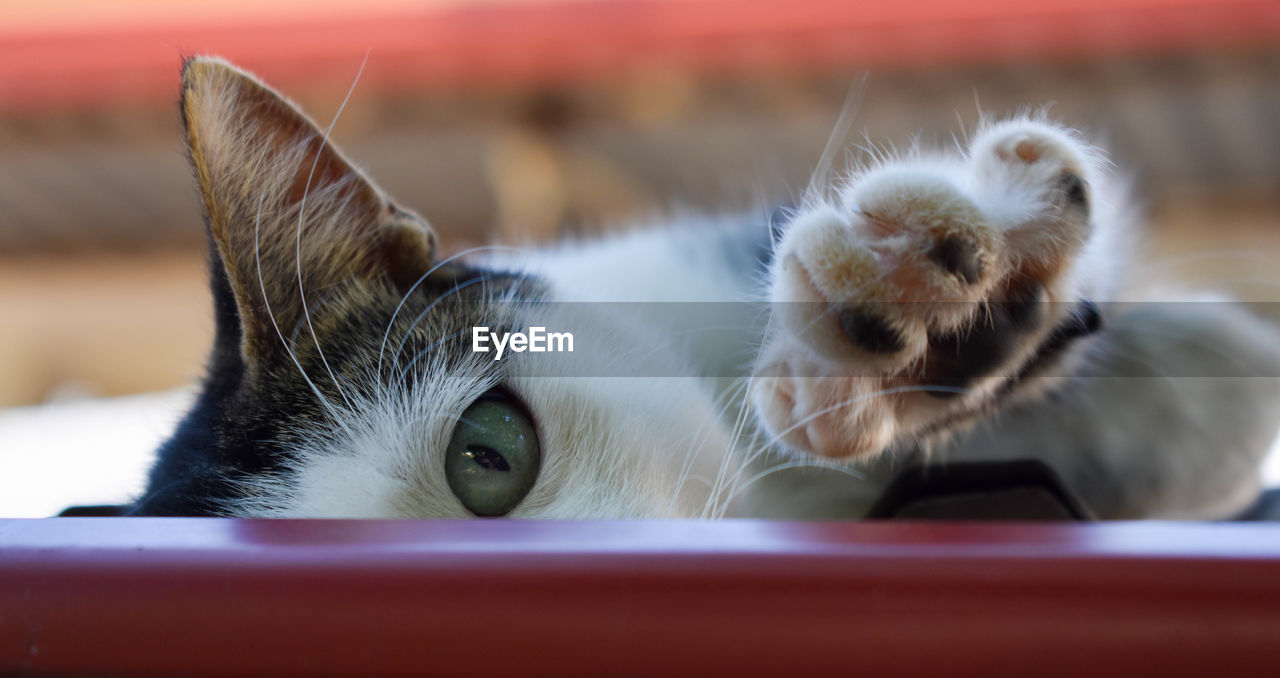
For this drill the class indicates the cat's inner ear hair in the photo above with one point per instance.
(289, 215)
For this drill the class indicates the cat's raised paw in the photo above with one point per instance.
(911, 302)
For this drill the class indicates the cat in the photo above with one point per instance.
(957, 305)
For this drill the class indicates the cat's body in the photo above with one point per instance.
(924, 296)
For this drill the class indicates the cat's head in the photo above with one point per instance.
(343, 380)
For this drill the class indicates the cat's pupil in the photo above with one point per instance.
(487, 458)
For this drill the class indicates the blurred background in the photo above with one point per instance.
(528, 119)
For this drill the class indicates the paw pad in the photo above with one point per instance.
(1073, 187)
(871, 332)
(958, 258)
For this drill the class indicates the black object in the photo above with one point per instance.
(100, 511)
(979, 490)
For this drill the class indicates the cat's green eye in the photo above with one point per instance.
(493, 457)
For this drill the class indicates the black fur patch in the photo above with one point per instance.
(1085, 320)
(956, 359)
(1023, 305)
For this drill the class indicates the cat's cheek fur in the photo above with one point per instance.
(343, 487)
(630, 447)
(624, 435)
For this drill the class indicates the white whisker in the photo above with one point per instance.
(776, 438)
(302, 210)
(257, 254)
(421, 279)
(800, 463)
(395, 358)
(822, 173)
(404, 373)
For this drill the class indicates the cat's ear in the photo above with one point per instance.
(284, 207)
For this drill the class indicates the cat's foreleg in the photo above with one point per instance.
(1169, 416)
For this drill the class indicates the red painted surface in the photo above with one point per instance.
(495, 44)
(160, 597)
